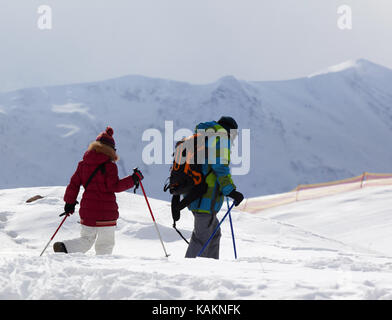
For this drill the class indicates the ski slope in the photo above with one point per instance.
(336, 247)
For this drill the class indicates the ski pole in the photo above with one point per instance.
(66, 216)
(216, 229)
(153, 218)
(232, 230)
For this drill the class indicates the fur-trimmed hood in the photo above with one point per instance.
(103, 149)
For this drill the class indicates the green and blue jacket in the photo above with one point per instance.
(218, 178)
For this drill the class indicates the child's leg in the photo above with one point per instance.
(105, 240)
(84, 243)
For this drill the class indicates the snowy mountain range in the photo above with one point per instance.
(334, 124)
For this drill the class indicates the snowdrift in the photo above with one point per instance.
(336, 247)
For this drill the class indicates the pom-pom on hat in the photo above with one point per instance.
(106, 137)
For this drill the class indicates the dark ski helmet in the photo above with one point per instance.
(228, 123)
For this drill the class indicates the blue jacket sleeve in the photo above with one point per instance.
(221, 168)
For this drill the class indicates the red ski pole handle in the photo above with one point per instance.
(66, 216)
(148, 204)
(136, 171)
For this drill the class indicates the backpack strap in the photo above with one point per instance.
(205, 178)
(100, 167)
(178, 231)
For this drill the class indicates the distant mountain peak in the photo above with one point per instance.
(227, 83)
(362, 65)
(228, 80)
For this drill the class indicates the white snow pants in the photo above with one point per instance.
(102, 236)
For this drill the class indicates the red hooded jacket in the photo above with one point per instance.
(98, 207)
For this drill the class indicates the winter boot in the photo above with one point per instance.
(59, 247)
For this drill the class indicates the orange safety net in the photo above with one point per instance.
(318, 190)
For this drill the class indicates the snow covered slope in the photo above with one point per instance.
(331, 248)
(328, 126)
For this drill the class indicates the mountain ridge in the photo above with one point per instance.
(305, 130)
(350, 64)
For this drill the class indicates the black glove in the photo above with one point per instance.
(69, 208)
(237, 196)
(137, 176)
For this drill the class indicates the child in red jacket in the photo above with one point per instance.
(98, 173)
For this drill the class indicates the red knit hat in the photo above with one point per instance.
(106, 137)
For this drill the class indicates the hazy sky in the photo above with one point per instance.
(197, 41)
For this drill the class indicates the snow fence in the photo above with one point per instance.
(318, 190)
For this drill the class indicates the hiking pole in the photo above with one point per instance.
(66, 216)
(148, 205)
(216, 229)
(232, 230)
